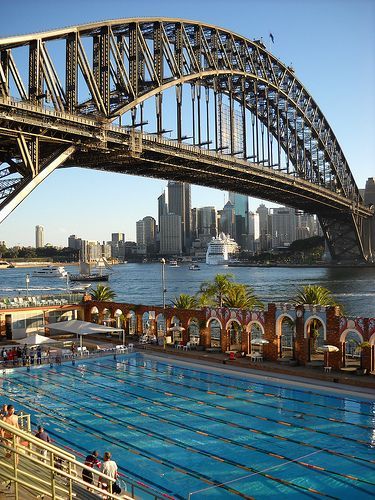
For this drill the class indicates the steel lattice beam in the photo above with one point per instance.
(126, 62)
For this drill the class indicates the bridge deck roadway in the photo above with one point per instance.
(103, 146)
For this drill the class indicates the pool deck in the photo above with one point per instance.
(337, 380)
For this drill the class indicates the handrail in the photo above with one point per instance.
(60, 464)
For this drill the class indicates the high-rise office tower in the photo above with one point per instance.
(241, 210)
(74, 242)
(253, 239)
(264, 227)
(207, 223)
(117, 237)
(284, 224)
(117, 245)
(146, 231)
(162, 207)
(39, 236)
(170, 234)
(228, 220)
(179, 203)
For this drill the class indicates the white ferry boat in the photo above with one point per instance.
(220, 250)
(173, 263)
(50, 272)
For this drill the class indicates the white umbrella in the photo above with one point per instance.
(176, 328)
(259, 341)
(36, 339)
(327, 349)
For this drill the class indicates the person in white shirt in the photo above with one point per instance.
(109, 469)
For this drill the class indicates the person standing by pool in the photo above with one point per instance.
(4, 411)
(42, 434)
(109, 469)
(91, 461)
(7, 436)
(39, 355)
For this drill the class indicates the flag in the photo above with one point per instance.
(272, 38)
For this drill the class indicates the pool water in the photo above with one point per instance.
(194, 432)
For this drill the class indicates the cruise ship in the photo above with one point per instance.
(220, 250)
(50, 272)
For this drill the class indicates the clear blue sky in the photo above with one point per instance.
(330, 43)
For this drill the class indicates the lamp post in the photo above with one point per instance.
(163, 280)
(27, 284)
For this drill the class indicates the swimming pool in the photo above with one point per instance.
(195, 432)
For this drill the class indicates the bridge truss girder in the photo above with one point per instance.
(113, 68)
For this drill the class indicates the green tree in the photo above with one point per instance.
(314, 294)
(185, 301)
(212, 293)
(102, 293)
(241, 297)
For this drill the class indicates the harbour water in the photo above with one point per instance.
(354, 288)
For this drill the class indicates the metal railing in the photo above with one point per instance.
(42, 468)
(61, 299)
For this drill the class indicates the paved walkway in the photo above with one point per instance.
(310, 375)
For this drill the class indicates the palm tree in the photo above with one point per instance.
(102, 293)
(185, 301)
(215, 291)
(241, 297)
(314, 294)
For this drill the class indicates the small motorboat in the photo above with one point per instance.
(194, 267)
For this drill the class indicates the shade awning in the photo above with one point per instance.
(79, 327)
(36, 339)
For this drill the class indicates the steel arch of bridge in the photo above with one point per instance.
(82, 102)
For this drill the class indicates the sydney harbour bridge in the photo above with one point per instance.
(179, 100)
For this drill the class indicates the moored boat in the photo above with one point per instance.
(50, 272)
(5, 265)
(194, 267)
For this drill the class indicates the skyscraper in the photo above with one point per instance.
(179, 203)
(170, 234)
(117, 237)
(146, 232)
(253, 242)
(284, 223)
(162, 207)
(39, 236)
(207, 223)
(264, 227)
(240, 203)
(228, 220)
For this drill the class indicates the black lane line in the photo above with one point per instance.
(151, 456)
(189, 399)
(51, 413)
(190, 472)
(295, 425)
(276, 396)
(322, 470)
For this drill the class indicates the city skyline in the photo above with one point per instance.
(73, 199)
